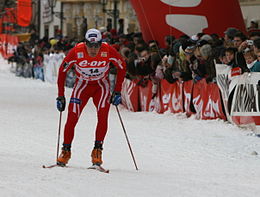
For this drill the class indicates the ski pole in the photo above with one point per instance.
(126, 137)
(58, 142)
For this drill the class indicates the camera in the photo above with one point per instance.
(250, 42)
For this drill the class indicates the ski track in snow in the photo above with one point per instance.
(176, 156)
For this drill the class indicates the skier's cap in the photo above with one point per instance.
(93, 35)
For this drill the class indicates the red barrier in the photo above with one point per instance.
(199, 95)
(176, 104)
(166, 92)
(178, 97)
(145, 97)
(212, 105)
(207, 101)
(187, 97)
(8, 44)
(130, 95)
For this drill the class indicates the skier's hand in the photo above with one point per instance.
(61, 103)
(116, 98)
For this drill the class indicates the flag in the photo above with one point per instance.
(24, 12)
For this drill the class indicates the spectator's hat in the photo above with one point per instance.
(253, 20)
(188, 44)
(231, 31)
(206, 37)
(93, 36)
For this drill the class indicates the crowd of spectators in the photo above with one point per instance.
(181, 59)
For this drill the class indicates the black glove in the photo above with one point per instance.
(116, 98)
(61, 103)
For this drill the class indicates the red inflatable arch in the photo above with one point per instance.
(159, 18)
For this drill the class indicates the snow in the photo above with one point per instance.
(176, 156)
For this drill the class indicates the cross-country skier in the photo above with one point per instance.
(91, 60)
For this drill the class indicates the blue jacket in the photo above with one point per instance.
(255, 67)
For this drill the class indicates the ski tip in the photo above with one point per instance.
(99, 168)
(51, 166)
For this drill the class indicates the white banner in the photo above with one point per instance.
(46, 12)
(243, 105)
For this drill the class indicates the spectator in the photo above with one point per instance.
(254, 35)
(251, 60)
(256, 46)
(253, 25)
(239, 41)
(229, 36)
(222, 56)
(208, 60)
(38, 67)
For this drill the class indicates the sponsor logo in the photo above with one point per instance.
(75, 100)
(103, 54)
(85, 63)
(80, 55)
(92, 35)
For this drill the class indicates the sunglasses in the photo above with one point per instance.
(95, 45)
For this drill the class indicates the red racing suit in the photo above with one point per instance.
(91, 82)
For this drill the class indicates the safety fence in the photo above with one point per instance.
(8, 44)
(236, 99)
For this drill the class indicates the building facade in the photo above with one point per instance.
(250, 10)
(73, 17)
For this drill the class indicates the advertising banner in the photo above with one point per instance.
(158, 18)
(245, 108)
(187, 97)
(130, 95)
(24, 12)
(176, 102)
(166, 94)
(8, 45)
(212, 105)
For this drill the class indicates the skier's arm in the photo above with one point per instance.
(66, 64)
(120, 64)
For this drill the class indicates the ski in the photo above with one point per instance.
(52, 166)
(98, 168)
(94, 167)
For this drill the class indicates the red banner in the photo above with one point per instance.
(147, 103)
(187, 93)
(145, 97)
(24, 12)
(8, 45)
(178, 97)
(159, 18)
(212, 105)
(199, 95)
(10, 15)
(176, 103)
(130, 95)
(166, 94)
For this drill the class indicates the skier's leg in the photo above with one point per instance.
(101, 101)
(76, 105)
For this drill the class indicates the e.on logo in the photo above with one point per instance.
(182, 3)
(85, 64)
(178, 21)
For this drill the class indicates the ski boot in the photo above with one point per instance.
(96, 154)
(64, 156)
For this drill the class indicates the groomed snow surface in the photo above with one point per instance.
(176, 156)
